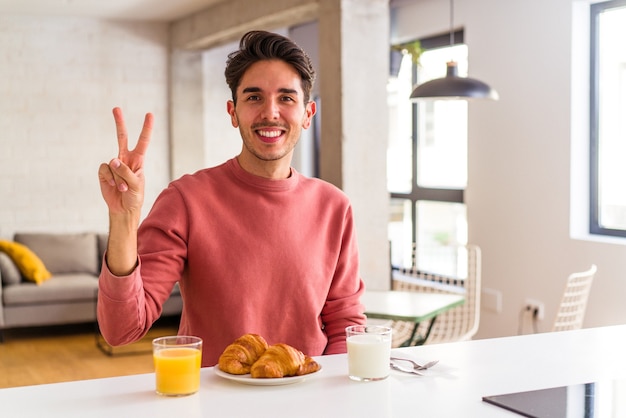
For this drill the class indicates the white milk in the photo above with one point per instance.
(368, 356)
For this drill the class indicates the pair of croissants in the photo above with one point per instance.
(250, 353)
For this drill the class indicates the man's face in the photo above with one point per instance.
(270, 111)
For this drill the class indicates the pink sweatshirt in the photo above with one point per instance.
(273, 257)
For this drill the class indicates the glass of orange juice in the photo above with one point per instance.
(177, 364)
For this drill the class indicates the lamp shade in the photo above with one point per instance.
(454, 87)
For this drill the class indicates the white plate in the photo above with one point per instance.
(248, 380)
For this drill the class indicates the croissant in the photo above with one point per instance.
(282, 360)
(239, 356)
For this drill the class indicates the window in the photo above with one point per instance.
(608, 121)
(426, 158)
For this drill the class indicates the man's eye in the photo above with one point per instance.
(287, 99)
(253, 98)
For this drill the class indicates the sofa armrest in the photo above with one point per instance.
(9, 273)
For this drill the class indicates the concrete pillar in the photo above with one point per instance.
(186, 112)
(353, 74)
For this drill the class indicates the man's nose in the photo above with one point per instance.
(271, 110)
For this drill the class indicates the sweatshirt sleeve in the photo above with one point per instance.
(129, 305)
(343, 306)
(122, 318)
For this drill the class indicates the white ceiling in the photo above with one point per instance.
(153, 10)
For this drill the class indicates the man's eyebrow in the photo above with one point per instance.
(257, 90)
(288, 91)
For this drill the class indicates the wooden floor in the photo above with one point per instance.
(59, 354)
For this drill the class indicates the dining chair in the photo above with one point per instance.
(573, 305)
(457, 324)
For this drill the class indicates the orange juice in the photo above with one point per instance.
(177, 370)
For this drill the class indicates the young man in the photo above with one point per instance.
(255, 246)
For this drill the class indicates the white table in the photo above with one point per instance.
(454, 388)
(407, 306)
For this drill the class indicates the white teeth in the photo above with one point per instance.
(270, 134)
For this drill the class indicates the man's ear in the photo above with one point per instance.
(309, 112)
(230, 108)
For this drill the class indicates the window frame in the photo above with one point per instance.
(418, 193)
(594, 125)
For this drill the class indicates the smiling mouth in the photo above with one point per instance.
(269, 135)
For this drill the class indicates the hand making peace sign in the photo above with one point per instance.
(122, 179)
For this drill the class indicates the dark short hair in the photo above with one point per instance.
(260, 45)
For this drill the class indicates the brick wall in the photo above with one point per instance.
(59, 80)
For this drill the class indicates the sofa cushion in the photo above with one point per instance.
(60, 288)
(64, 253)
(27, 261)
(8, 270)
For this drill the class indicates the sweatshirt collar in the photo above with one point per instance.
(262, 182)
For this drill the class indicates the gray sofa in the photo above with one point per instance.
(70, 295)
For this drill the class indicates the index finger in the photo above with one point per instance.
(120, 127)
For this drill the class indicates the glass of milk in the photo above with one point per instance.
(369, 350)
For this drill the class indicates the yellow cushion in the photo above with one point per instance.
(31, 266)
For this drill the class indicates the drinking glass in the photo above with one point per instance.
(369, 352)
(177, 362)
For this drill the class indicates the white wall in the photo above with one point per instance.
(221, 140)
(520, 166)
(59, 80)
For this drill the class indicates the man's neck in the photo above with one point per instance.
(274, 170)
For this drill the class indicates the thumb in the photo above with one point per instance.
(121, 173)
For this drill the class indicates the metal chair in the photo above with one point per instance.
(458, 324)
(573, 305)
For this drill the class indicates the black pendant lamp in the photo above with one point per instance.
(452, 86)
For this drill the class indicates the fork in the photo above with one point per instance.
(394, 366)
(417, 366)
